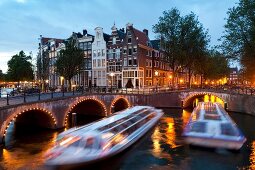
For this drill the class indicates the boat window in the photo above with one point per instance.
(212, 116)
(198, 127)
(228, 129)
(89, 143)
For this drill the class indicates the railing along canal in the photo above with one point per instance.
(39, 96)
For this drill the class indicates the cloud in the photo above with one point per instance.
(21, 1)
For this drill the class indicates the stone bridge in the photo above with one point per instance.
(56, 113)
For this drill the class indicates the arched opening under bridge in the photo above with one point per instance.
(28, 124)
(119, 104)
(84, 112)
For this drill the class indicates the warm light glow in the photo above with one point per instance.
(252, 156)
(111, 74)
(206, 82)
(170, 77)
(47, 81)
(156, 73)
(206, 98)
(181, 80)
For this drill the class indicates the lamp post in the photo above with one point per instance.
(156, 75)
(62, 82)
(111, 74)
(47, 84)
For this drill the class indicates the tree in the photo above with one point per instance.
(183, 40)
(20, 68)
(238, 42)
(70, 61)
(43, 63)
(194, 42)
(216, 66)
(168, 30)
(1, 75)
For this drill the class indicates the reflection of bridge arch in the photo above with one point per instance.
(190, 98)
(118, 104)
(92, 106)
(42, 118)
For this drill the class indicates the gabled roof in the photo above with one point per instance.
(106, 37)
(142, 38)
(121, 34)
(45, 40)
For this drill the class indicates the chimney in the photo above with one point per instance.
(85, 32)
(145, 31)
(122, 30)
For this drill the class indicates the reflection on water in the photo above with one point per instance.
(252, 156)
(161, 149)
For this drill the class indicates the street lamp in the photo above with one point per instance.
(62, 82)
(111, 74)
(156, 74)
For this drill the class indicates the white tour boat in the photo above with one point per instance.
(211, 126)
(102, 139)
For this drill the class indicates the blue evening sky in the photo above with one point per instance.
(23, 21)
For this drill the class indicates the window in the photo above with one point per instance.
(130, 61)
(99, 74)
(89, 53)
(135, 61)
(125, 61)
(103, 73)
(98, 53)
(94, 63)
(114, 40)
(103, 53)
(129, 40)
(89, 45)
(98, 43)
(110, 56)
(117, 53)
(103, 62)
(98, 63)
(134, 49)
(95, 74)
(130, 51)
(124, 51)
(85, 46)
(94, 53)
(81, 46)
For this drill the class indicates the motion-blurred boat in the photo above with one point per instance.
(211, 126)
(102, 139)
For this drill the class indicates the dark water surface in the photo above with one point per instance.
(161, 148)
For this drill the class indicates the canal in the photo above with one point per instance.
(162, 148)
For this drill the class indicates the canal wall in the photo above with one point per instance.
(242, 104)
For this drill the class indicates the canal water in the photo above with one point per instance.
(161, 148)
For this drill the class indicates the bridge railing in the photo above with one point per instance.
(34, 97)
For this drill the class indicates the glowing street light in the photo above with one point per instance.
(111, 74)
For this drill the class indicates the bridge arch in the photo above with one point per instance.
(90, 104)
(42, 113)
(118, 104)
(187, 101)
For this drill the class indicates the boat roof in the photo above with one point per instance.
(97, 126)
